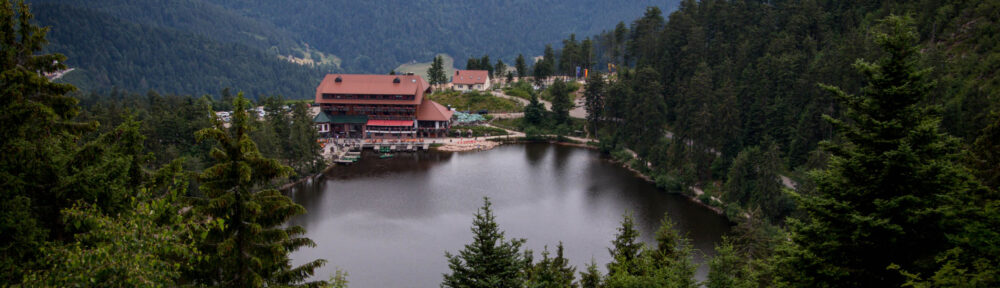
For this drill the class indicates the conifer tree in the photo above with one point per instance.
(727, 269)
(625, 248)
(436, 71)
(561, 103)
(521, 66)
(249, 244)
(490, 260)
(552, 272)
(500, 69)
(534, 112)
(595, 91)
(39, 140)
(592, 277)
(880, 203)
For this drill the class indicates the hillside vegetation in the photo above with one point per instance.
(112, 52)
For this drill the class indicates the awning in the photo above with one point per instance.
(408, 123)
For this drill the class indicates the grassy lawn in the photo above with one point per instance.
(571, 87)
(520, 89)
(523, 90)
(517, 124)
(475, 101)
(421, 68)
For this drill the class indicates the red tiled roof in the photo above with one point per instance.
(432, 111)
(390, 123)
(371, 85)
(470, 77)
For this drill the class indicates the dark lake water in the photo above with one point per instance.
(388, 222)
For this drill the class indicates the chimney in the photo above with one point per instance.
(338, 80)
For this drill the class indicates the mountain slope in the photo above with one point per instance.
(376, 36)
(111, 52)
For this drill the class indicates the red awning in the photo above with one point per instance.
(408, 123)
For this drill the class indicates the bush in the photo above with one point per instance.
(670, 183)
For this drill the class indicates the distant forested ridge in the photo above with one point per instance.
(200, 46)
(107, 52)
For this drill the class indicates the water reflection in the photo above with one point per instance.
(389, 221)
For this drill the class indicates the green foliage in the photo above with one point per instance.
(886, 199)
(595, 92)
(727, 269)
(490, 260)
(48, 165)
(250, 242)
(625, 248)
(667, 265)
(287, 133)
(149, 245)
(534, 113)
(753, 181)
(521, 89)
(436, 74)
(112, 52)
(521, 66)
(546, 67)
(561, 102)
(473, 101)
(552, 272)
(986, 154)
(592, 277)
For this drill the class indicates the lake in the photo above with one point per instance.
(388, 222)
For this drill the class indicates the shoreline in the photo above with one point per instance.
(490, 143)
(691, 198)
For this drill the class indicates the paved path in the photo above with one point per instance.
(578, 111)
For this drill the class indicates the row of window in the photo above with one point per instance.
(367, 97)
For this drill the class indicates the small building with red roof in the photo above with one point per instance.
(469, 80)
(378, 106)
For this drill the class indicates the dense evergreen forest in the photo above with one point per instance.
(736, 83)
(109, 52)
(885, 113)
(140, 45)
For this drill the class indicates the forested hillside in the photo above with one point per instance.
(111, 52)
(376, 36)
(211, 44)
(888, 105)
(194, 16)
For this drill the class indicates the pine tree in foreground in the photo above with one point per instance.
(249, 245)
(490, 260)
(552, 272)
(893, 195)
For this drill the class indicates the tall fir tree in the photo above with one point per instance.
(591, 278)
(250, 243)
(436, 71)
(594, 91)
(534, 112)
(880, 202)
(38, 137)
(552, 272)
(625, 248)
(561, 102)
(521, 66)
(490, 260)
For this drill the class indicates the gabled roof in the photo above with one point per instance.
(470, 77)
(367, 84)
(324, 117)
(432, 111)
